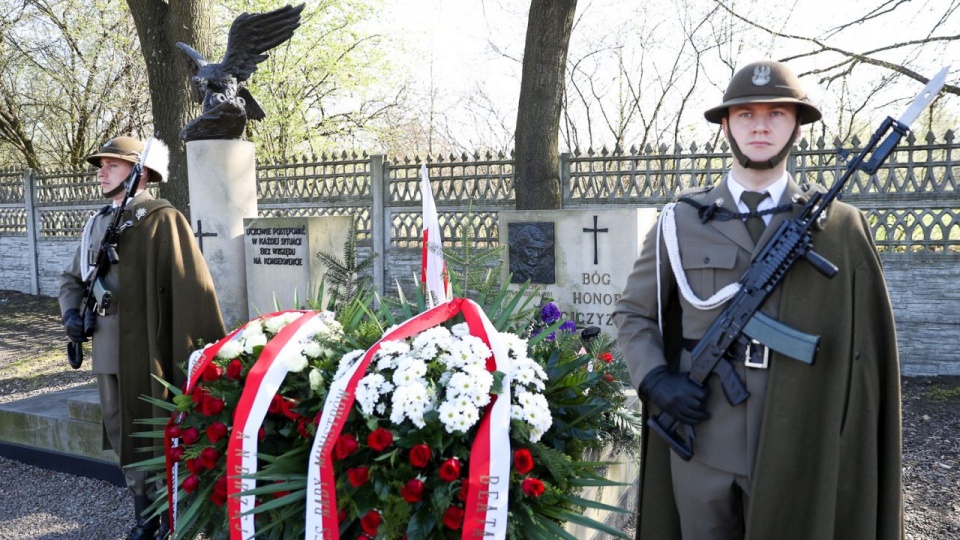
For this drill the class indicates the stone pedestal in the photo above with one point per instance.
(223, 191)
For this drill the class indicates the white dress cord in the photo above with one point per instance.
(669, 227)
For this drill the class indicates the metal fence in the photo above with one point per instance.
(912, 202)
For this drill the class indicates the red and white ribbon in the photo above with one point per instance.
(262, 383)
(491, 448)
(198, 361)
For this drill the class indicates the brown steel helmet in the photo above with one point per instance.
(125, 148)
(130, 149)
(765, 82)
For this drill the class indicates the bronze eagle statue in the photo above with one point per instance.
(227, 104)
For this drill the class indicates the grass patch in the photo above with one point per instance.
(943, 393)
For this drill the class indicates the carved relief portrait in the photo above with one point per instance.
(532, 252)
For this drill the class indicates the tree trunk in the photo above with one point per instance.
(537, 161)
(160, 25)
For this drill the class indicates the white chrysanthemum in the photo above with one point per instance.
(316, 379)
(409, 372)
(381, 408)
(347, 361)
(460, 330)
(312, 349)
(230, 350)
(449, 414)
(251, 341)
(410, 402)
(528, 373)
(293, 359)
(535, 411)
(390, 353)
(369, 390)
(515, 344)
(431, 342)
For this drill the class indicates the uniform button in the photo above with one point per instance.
(706, 260)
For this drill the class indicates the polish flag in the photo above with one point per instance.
(433, 271)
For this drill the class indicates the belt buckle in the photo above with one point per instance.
(748, 361)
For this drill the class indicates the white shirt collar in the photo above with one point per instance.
(775, 190)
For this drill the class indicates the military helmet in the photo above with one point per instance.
(125, 148)
(765, 82)
(130, 149)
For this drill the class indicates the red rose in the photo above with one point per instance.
(190, 435)
(463, 492)
(522, 461)
(216, 431)
(370, 522)
(274, 407)
(212, 406)
(286, 408)
(176, 453)
(606, 357)
(199, 394)
(420, 455)
(220, 486)
(219, 495)
(303, 427)
(450, 470)
(380, 439)
(609, 378)
(532, 487)
(194, 465)
(453, 517)
(261, 434)
(234, 369)
(209, 457)
(218, 499)
(358, 476)
(346, 445)
(212, 372)
(342, 515)
(278, 494)
(412, 491)
(173, 431)
(191, 483)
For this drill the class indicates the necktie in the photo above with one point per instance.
(755, 223)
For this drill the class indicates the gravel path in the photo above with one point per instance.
(39, 504)
(44, 505)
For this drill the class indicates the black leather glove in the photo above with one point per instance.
(73, 323)
(676, 395)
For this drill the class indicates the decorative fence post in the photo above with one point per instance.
(378, 225)
(564, 178)
(33, 235)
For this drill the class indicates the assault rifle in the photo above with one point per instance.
(97, 298)
(741, 323)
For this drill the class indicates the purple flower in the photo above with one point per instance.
(550, 313)
(568, 326)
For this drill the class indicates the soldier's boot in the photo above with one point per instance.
(145, 529)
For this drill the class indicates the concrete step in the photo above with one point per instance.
(66, 422)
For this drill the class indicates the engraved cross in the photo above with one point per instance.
(595, 230)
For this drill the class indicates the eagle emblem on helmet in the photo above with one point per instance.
(761, 75)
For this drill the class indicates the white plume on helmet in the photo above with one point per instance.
(157, 158)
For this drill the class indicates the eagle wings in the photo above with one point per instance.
(217, 85)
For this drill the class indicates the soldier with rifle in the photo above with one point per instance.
(139, 287)
(771, 384)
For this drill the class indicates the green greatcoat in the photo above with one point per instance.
(829, 459)
(168, 307)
